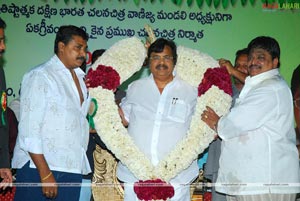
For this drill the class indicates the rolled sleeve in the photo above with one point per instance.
(32, 145)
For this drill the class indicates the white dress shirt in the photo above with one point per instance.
(52, 121)
(157, 122)
(258, 153)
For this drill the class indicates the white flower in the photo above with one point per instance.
(126, 57)
(192, 64)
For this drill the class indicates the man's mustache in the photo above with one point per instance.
(80, 58)
(254, 66)
(161, 66)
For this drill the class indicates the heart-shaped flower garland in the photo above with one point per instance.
(126, 57)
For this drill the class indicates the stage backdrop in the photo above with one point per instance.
(218, 31)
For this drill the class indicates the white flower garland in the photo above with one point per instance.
(126, 57)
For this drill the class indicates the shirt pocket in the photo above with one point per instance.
(178, 110)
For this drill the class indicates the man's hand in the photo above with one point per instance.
(210, 117)
(238, 74)
(227, 64)
(49, 186)
(6, 176)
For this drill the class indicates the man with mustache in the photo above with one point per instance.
(158, 111)
(5, 173)
(53, 129)
(259, 158)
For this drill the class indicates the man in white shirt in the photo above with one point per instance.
(259, 159)
(53, 129)
(158, 111)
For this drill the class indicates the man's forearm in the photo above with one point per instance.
(41, 164)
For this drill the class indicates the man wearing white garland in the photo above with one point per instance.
(158, 111)
(259, 159)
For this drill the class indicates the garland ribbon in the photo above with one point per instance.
(3, 101)
(91, 117)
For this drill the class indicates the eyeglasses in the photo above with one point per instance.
(297, 103)
(166, 58)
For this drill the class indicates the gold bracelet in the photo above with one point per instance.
(46, 177)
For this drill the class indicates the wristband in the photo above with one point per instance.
(46, 177)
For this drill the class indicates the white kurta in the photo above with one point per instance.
(157, 122)
(258, 153)
(52, 121)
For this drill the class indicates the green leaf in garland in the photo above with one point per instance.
(179, 2)
(252, 2)
(208, 2)
(281, 2)
(189, 2)
(243, 2)
(292, 1)
(233, 2)
(264, 1)
(199, 3)
(216, 3)
(225, 3)
(136, 2)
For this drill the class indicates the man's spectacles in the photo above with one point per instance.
(297, 103)
(166, 58)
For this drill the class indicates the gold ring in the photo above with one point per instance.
(205, 116)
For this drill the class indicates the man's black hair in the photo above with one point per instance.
(2, 24)
(266, 43)
(159, 45)
(65, 34)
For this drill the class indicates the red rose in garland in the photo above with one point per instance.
(218, 77)
(153, 190)
(207, 196)
(104, 76)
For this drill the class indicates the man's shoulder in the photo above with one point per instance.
(275, 83)
(43, 67)
(184, 84)
(140, 82)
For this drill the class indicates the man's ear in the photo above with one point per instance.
(61, 47)
(275, 62)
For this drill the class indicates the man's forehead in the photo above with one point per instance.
(78, 40)
(258, 51)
